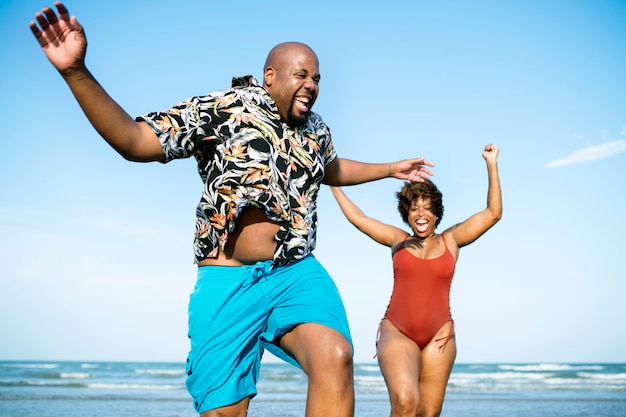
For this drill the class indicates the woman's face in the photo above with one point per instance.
(421, 217)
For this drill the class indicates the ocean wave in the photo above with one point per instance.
(93, 385)
(366, 368)
(90, 398)
(282, 389)
(59, 375)
(499, 376)
(290, 375)
(368, 380)
(126, 386)
(30, 365)
(74, 375)
(621, 378)
(161, 372)
(537, 381)
(32, 383)
(555, 367)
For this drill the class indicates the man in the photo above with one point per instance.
(262, 155)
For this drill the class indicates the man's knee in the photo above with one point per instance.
(338, 355)
(320, 349)
(336, 349)
(334, 361)
(332, 368)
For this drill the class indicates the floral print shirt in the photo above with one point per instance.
(247, 157)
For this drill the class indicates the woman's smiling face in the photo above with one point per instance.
(421, 217)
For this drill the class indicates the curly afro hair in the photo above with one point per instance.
(411, 191)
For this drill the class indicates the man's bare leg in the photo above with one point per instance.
(239, 409)
(326, 357)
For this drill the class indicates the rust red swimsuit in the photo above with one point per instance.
(420, 300)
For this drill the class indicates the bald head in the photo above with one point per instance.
(281, 52)
(291, 76)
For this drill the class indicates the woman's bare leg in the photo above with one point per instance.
(437, 362)
(400, 363)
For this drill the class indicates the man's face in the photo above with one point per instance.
(294, 84)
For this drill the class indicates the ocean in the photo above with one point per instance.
(124, 389)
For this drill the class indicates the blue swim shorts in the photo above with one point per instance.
(235, 312)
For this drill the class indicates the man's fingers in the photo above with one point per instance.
(43, 22)
(426, 171)
(39, 33)
(35, 29)
(50, 15)
(63, 13)
(51, 29)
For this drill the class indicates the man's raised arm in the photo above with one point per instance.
(63, 41)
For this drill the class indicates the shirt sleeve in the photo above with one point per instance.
(187, 128)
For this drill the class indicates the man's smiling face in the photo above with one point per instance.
(292, 79)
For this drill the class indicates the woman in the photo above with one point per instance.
(416, 347)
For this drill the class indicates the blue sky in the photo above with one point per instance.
(95, 251)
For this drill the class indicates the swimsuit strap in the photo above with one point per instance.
(444, 242)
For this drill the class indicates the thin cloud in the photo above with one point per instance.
(591, 153)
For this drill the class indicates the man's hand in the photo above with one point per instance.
(411, 169)
(61, 37)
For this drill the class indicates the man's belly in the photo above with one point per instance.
(251, 241)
